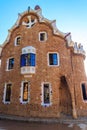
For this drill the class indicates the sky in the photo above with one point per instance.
(70, 16)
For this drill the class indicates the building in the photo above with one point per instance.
(42, 70)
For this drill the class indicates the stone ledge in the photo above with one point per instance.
(67, 120)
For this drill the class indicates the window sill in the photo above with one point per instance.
(46, 104)
(9, 69)
(6, 102)
(27, 70)
(53, 65)
(24, 103)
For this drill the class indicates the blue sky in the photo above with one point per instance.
(70, 15)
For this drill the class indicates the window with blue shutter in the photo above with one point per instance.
(28, 59)
(32, 59)
(23, 61)
(53, 59)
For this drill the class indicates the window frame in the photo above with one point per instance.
(7, 66)
(58, 59)
(15, 42)
(85, 83)
(45, 37)
(4, 95)
(31, 61)
(42, 94)
(21, 92)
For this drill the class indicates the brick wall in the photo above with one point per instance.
(69, 64)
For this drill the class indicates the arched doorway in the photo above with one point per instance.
(65, 97)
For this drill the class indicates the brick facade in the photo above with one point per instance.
(64, 79)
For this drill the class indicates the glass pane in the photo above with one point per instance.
(25, 92)
(32, 59)
(42, 36)
(46, 93)
(50, 59)
(84, 92)
(28, 59)
(11, 63)
(18, 41)
(23, 60)
(8, 92)
(55, 61)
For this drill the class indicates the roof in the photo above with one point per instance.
(38, 11)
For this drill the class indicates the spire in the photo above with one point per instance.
(28, 9)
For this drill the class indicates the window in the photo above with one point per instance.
(24, 92)
(28, 59)
(10, 63)
(46, 94)
(30, 22)
(84, 91)
(42, 36)
(17, 41)
(53, 59)
(7, 93)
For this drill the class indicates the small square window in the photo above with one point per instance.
(53, 59)
(42, 36)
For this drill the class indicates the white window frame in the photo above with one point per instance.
(15, 42)
(58, 58)
(42, 94)
(7, 64)
(29, 69)
(4, 95)
(45, 36)
(21, 92)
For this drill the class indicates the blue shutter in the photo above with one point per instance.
(32, 59)
(55, 60)
(23, 60)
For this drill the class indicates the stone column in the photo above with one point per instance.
(74, 113)
(72, 92)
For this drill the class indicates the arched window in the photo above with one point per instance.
(17, 40)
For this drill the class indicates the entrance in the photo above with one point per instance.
(65, 98)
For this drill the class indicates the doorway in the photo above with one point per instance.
(65, 97)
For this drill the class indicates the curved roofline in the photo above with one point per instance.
(51, 23)
(42, 19)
